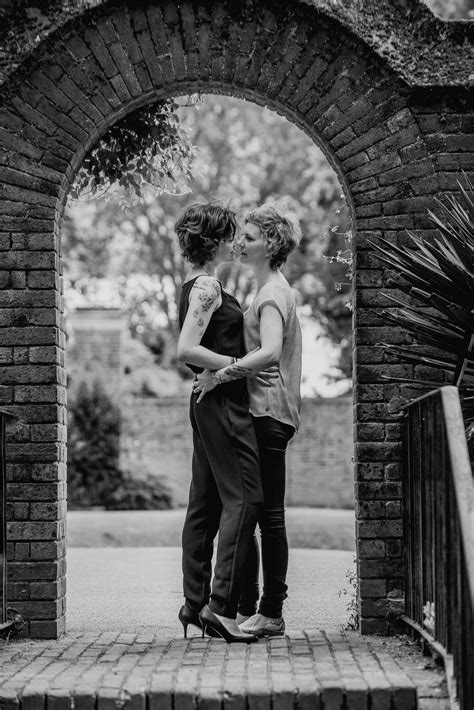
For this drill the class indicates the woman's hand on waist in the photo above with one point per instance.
(265, 377)
(205, 382)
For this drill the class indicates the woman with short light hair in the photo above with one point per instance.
(272, 337)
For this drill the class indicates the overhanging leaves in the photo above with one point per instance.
(147, 148)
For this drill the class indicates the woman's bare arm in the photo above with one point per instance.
(269, 353)
(204, 298)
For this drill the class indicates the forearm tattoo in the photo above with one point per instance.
(234, 372)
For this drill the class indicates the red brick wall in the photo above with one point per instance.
(157, 439)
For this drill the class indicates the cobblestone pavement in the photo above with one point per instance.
(312, 669)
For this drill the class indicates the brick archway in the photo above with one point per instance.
(309, 67)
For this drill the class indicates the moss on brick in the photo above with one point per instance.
(419, 47)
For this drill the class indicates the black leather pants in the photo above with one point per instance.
(272, 437)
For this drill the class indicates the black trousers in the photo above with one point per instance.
(273, 437)
(225, 496)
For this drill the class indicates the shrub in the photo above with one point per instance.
(94, 424)
(94, 473)
(150, 493)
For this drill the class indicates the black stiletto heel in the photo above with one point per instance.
(210, 622)
(188, 616)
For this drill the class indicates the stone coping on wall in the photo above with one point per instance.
(418, 46)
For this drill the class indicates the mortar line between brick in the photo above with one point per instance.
(269, 670)
(246, 685)
(223, 672)
(174, 674)
(374, 655)
(251, 54)
(159, 54)
(263, 57)
(337, 666)
(311, 655)
(128, 674)
(29, 660)
(297, 689)
(91, 664)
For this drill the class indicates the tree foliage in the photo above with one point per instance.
(146, 149)
(245, 155)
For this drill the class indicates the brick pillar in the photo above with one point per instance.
(95, 343)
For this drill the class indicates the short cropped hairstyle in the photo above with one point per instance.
(201, 229)
(280, 232)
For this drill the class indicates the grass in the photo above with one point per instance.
(315, 528)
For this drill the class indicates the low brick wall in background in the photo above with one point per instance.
(320, 469)
(157, 439)
(95, 343)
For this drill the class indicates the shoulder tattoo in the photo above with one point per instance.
(209, 292)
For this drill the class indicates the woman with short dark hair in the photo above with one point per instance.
(225, 492)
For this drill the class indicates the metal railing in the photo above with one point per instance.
(438, 494)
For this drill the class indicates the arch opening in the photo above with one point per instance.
(317, 74)
(247, 155)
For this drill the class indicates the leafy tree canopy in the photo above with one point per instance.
(245, 155)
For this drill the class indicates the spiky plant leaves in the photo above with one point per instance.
(439, 274)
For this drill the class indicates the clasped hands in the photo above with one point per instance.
(207, 380)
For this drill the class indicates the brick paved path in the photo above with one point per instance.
(116, 670)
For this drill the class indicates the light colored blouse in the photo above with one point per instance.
(282, 400)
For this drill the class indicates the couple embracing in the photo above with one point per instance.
(244, 409)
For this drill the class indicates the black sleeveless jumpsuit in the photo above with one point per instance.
(225, 493)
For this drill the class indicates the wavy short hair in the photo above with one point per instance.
(201, 228)
(280, 232)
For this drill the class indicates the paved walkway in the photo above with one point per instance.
(125, 651)
(139, 589)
